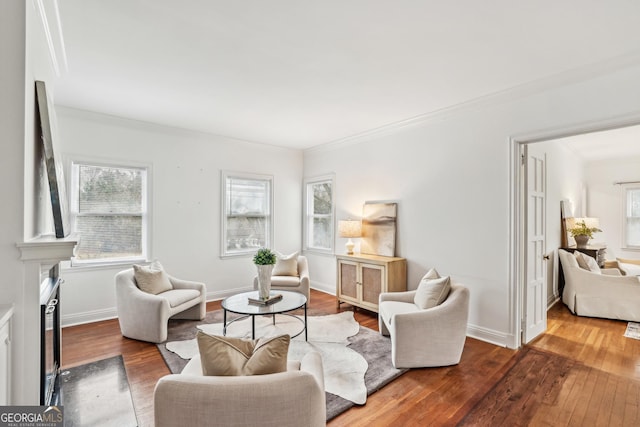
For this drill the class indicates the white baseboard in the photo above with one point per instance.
(473, 331)
(88, 317)
(489, 335)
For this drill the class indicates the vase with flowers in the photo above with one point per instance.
(264, 260)
(582, 233)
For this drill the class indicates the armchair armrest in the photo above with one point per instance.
(312, 363)
(610, 271)
(187, 284)
(406, 296)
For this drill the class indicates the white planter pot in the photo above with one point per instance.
(264, 280)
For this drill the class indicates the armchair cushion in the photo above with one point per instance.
(387, 309)
(180, 296)
(286, 265)
(151, 279)
(431, 292)
(225, 356)
(285, 281)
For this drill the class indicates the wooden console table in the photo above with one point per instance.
(362, 278)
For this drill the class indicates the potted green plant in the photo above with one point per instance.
(264, 260)
(582, 233)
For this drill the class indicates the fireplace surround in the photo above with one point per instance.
(41, 257)
(50, 339)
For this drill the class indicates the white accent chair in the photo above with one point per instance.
(287, 399)
(605, 293)
(143, 316)
(425, 337)
(298, 283)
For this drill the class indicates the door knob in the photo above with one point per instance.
(546, 257)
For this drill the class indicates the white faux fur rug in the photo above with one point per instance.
(344, 368)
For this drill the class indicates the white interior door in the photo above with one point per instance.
(535, 295)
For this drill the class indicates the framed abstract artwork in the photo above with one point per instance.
(379, 229)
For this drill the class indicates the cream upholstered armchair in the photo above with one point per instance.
(287, 399)
(425, 337)
(143, 316)
(596, 292)
(298, 283)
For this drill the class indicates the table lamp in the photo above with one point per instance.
(349, 228)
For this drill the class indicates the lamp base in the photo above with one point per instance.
(349, 247)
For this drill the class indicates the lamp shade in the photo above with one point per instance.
(349, 228)
(589, 222)
(592, 222)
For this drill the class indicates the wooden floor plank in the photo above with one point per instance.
(606, 376)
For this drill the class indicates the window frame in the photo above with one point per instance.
(309, 216)
(74, 181)
(225, 175)
(626, 188)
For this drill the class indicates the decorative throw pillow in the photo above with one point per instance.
(152, 279)
(586, 262)
(286, 265)
(432, 292)
(226, 356)
(431, 274)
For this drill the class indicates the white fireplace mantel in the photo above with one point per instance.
(38, 255)
(47, 248)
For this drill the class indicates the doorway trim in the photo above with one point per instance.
(517, 260)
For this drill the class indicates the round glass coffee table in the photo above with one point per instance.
(240, 304)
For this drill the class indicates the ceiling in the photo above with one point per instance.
(610, 144)
(299, 74)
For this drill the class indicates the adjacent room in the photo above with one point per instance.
(321, 213)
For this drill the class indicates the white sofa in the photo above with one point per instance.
(605, 294)
(288, 399)
(143, 316)
(425, 337)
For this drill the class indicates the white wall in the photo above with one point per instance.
(450, 175)
(186, 168)
(605, 200)
(12, 131)
(25, 57)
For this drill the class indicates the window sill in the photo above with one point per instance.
(70, 266)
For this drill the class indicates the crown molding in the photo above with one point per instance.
(564, 78)
(52, 26)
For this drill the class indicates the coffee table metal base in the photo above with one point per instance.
(253, 322)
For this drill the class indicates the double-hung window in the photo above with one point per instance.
(109, 212)
(247, 223)
(631, 220)
(319, 213)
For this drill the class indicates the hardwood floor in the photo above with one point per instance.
(604, 391)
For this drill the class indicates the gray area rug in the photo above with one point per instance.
(97, 394)
(375, 348)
